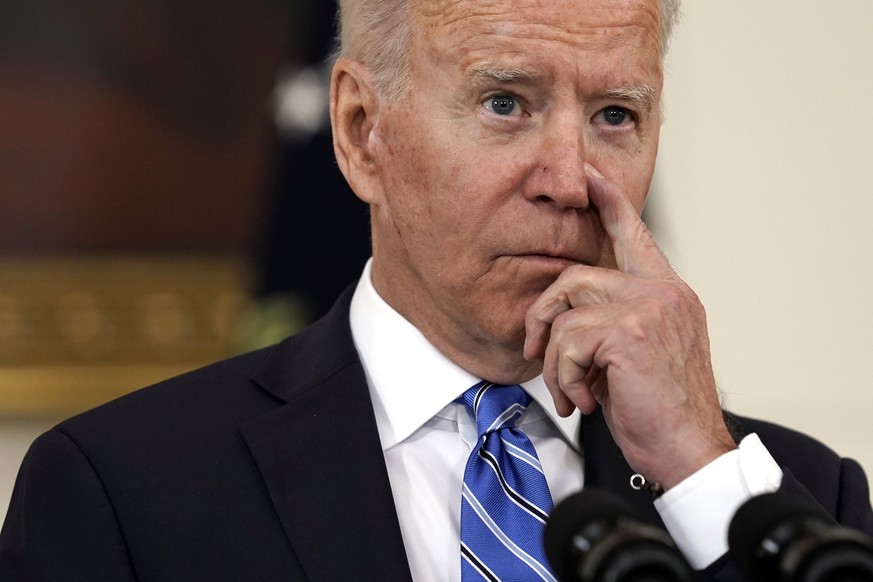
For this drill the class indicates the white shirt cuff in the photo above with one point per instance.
(698, 511)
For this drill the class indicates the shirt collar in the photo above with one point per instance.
(410, 381)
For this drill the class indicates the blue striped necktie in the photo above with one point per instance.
(505, 497)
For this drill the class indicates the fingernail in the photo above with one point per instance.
(593, 171)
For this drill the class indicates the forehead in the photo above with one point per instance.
(456, 29)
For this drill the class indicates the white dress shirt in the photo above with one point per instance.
(427, 438)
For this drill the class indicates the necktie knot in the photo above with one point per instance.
(495, 406)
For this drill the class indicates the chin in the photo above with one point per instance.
(507, 329)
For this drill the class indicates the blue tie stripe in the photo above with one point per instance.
(536, 565)
(511, 493)
(511, 414)
(523, 456)
(472, 560)
(505, 498)
(524, 473)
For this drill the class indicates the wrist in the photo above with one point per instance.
(686, 457)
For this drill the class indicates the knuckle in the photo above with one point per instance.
(633, 326)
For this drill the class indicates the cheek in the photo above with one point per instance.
(419, 209)
(637, 194)
(634, 175)
(455, 183)
(413, 157)
(639, 189)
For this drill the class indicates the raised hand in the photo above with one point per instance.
(635, 341)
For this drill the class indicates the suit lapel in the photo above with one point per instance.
(606, 468)
(321, 459)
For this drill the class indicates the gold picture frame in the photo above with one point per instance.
(79, 330)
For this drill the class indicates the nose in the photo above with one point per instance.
(558, 173)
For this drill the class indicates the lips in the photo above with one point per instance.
(565, 246)
(549, 259)
(550, 253)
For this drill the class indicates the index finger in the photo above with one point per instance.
(636, 251)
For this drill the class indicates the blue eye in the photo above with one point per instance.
(615, 115)
(501, 104)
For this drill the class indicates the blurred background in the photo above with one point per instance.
(168, 197)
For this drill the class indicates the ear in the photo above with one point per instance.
(354, 112)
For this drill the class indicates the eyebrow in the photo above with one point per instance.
(483, 72)
(641, 94)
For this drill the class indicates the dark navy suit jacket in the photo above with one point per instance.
(268, 466)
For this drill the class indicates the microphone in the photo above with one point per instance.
(593, 536)
(782, 537)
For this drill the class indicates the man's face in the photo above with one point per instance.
(481, 196)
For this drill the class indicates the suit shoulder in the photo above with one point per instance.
(832, 479)
(785, 444)
(776, 433)
(221, 389)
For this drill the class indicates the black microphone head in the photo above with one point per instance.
(756, 519)
(569, 517)
(594, 536)
(783, 536)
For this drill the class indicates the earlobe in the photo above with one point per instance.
(354, 109)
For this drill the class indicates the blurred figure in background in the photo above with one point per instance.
(316, 237)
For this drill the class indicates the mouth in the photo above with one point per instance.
(548, 260)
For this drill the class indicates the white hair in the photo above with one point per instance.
(377, 34)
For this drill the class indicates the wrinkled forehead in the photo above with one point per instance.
(448, 23)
